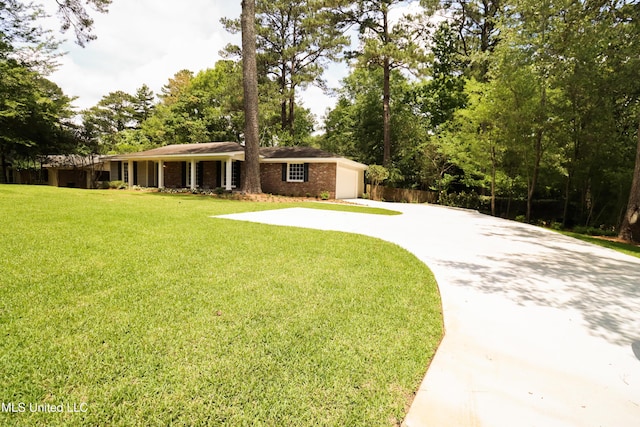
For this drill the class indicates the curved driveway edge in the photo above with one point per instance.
(541, 329)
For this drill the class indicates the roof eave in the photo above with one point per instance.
(341, 160)
(234, 155)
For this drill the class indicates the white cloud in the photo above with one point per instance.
(144, 42)
(148, 41)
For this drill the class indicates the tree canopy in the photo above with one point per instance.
(519, 107)
(35, 115)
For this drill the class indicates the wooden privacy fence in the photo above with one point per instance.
(405, 195)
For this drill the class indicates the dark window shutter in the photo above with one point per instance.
(306, 172)
(135, 173)
(200, 170)
(218, 174)
(237, 173)
(118, 174)
(284, 171)
(184, 175)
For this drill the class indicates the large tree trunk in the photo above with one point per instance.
(386, 97)
(567, 195)
(538, 148)
(292, 115)
(283, 100)
(386, 115)
(251, 182)
(630, 229)
(3, 165)
(535, 173)
(494, 168)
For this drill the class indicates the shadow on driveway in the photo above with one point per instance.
(556, 271)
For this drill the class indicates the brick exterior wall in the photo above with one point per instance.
(173, 174)
(209, 174)
(72, 178)
(322, 177)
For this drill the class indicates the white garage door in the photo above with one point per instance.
(346, 183)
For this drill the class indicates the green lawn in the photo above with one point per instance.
(141, 309)
(625, 248)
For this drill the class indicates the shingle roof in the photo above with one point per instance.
(295, 153)
(182, 149)
(216, 149)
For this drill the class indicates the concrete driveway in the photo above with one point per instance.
(541, 329)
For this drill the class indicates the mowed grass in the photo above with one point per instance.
(625, 248)
(141, 309)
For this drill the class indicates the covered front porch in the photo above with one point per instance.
(204, 174)
(182, 167)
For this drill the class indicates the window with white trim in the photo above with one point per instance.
(295, 172)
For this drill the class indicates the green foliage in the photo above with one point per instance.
(438, 98)
(418, 110)
(387, 46)
(34, 116)
(325, 195)
(377, 174)
(462, 199)
(204, 107)
(400, 43)
(353, 126)
(23, 39)
(595, 231)
(73, 14)
(203, 315)
(539, 108)
(295, 43)
(143, 103)
(513, 101)
(34, 112)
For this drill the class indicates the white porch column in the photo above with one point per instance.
(161, 174)
(193, 175)
(229, 175)
(53, 178)
(130, 174)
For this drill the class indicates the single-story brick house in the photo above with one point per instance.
(290, 171)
